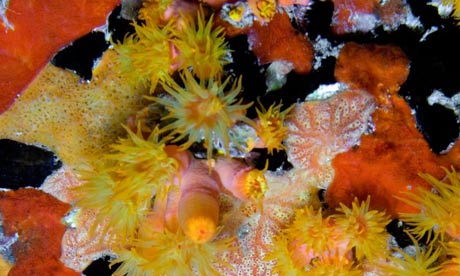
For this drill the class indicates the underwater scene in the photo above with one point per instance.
(229, 137)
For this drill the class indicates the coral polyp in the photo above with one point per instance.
(264, 10)
(202, 47)
(171, 253)
(154, 10)
(438, 216)
(146, 56)
(423, 262)
(255, 185)
(203, 110)
(120, 190)
(283, 256)
(313, 231)
(270, 127)
(198, 216)
(364, 229)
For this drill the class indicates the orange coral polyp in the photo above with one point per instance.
(256, 184)
(146, 56)
(201, 110)
(198, 216)
(264, 10)
(364, 228)
(241, 180)
(439, 211)
(270, 126)
(202, 47)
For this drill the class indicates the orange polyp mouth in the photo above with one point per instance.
(200, 229)
(198, 216)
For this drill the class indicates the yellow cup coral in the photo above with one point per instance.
(145, 56)
(202, 110)
(171, 253)
(423, 263)
(439, 216)
(121, 189)
(270, 126)
(198, 207)
(198, 216)
(201, 46)
(364, 229)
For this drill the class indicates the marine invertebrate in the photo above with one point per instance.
(422, 263)
(387, 161)
(438, 216)
(241, 180)
(292, 259)
(264, 10)
(146, 56)
(270, 126)
(153, 10)
(351, 16)
(164, 247)
(336, 243)
(283, 257)
(25, 50)
(202, 110)
(364, 229)
(61, 110)
(171, 253)
(201, 46)
(278, 40)
(120, 192)
(319, 130)
(313, 232)
(39, 228)
(198, 207)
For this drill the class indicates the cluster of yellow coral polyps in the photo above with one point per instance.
(221, 215)
(439, 217)
(146, 56)
(173, 220)
(159, 206)
(121, 188)
(153, 52)
(438, 220)
(336, 243)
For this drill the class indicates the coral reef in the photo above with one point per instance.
(169, 169)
